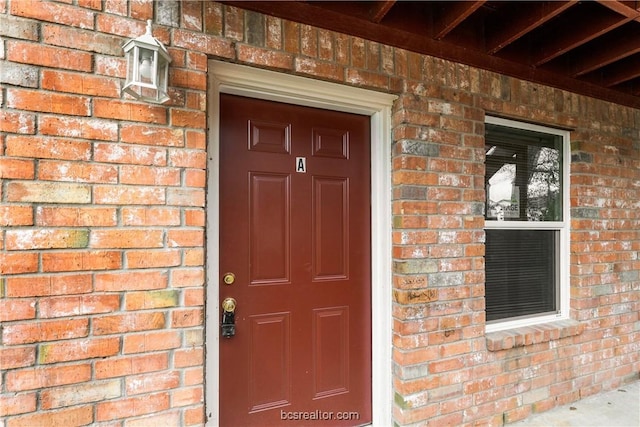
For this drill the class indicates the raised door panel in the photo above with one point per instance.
(270, 248)
(269, 361)
(330, 351)
(330, 228)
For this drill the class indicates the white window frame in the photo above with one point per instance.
(561, 226)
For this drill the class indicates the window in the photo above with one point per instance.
(526, 179)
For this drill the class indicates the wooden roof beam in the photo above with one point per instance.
(380, 9)
(608, 52)
(532, 16)
(623, 72)
(454, 14)
(575, 38)
(621, 8)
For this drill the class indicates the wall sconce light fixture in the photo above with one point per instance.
(147, 68)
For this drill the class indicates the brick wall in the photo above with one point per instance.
(102, 215)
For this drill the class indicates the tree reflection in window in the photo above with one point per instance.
(523, 175)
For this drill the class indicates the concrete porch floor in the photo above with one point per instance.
(616, 408)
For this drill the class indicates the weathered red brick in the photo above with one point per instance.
(53, 12)
(196, 101)
(367, 78)
(70, 350)
(151, 299)
(79, 39)
(63, 306)
(17, 357)
(47, 376)
(132, 406)
(18, 262)
(163, 418)
(129, 322)
(141, 9)
(17, 122)
(120, 25)
(126, 238)
(185, 277)
(266, 57)
(193, 297)
(150, 216)
(188, 158)
(128, 195)
(204, 43)
(188, 79)
(185, 237)
(187, 396)
(47, 148)
(128, 365)
(130, 281)
(213, 18)
(195, 178)
(93, 391)
(151, 135)
(159, 381)
(149, 175)
(18, 28)
(45, 285)
(48, 56)
(194, 416)
(193, 376)
(188, 118)
(131, 111)
(15, 215)
(110, 66)
(187, 318)
(193, 257)
(78, 127)
(151, 341)
(17, 309)
(194, 218)
(91, 4)
(317, 68)
(188, 357)
(46, 238)
(17, 404)
(115, 7)
(131, 154)
(75, 217)
(75, 416)
(185, 197)
(197, 61)
(81, 261)
(54, 330)
(309, 41)
(153, 258)
(195, 139)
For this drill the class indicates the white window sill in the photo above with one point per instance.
(535, 334)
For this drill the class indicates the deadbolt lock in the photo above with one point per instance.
(229, 278)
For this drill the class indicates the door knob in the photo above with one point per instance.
(229, 305)
(228, 325)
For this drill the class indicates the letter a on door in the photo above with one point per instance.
(301, 164)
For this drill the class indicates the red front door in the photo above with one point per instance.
(295, 234)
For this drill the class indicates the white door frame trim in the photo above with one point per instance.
(257, 83)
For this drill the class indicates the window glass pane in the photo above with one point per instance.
(521, 273)
(523, 175)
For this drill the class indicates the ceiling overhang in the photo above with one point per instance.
(587, 47)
